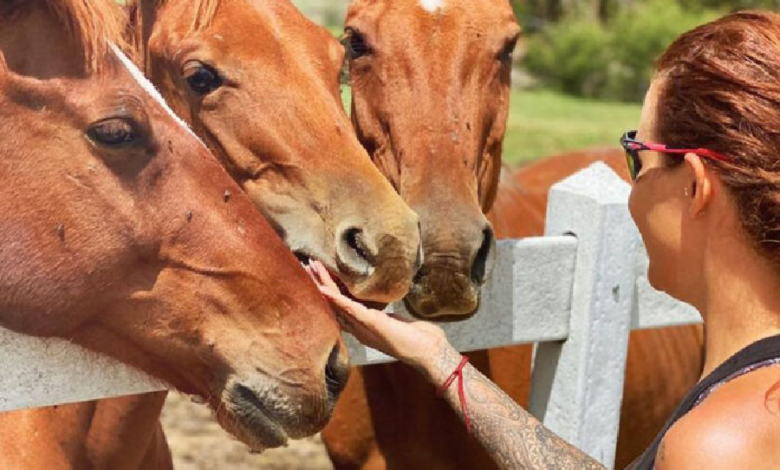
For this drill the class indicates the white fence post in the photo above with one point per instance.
(577, 384)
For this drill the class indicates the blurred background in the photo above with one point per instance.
(583, 66)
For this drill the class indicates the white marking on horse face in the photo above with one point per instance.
(431, 6)
(149, 88)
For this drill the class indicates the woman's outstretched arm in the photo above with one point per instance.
(513, 437)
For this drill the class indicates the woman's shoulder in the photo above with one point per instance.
(737, 426)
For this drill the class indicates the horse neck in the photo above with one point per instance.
(116, 419)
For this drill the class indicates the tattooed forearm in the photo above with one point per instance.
(513, 437)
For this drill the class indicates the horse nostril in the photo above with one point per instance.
(479, 269)
(353, 237)
(336, 374)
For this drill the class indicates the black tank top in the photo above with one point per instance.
(758, 354)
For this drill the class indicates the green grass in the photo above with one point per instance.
(543, 123)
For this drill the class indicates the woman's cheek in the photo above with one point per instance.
(638, 211)
(653, 245)
(632, 204)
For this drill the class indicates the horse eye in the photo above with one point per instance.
(114, 133)
(355, 44)
(201, 78)
(508, 51)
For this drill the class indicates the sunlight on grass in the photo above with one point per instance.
(543, 123)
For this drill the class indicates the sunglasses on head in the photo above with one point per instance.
(632, 148)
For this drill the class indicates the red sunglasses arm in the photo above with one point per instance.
(700, 151)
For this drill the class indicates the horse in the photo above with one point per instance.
(297, 157)
(430, 89)
(123, 234)
(259, 82)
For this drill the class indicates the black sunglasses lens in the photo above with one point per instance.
(632, 156)
(630, 165)
(636, 164)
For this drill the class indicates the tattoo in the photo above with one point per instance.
(513, 437)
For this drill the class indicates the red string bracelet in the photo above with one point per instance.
(458, 372)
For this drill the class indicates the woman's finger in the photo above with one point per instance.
(315, 273)
(395, 316)
(322, 274)
(347, 304)
(310, 273)
(334, 294)
(359, 312)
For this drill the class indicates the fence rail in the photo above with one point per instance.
(577, 292)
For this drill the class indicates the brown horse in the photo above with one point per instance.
(121, 233)
(430, 85)
(429, 105)
(260, 84)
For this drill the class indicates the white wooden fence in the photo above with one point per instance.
(576, 292)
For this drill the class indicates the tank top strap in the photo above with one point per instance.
(762, 352)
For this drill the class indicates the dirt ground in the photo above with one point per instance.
(198, 443)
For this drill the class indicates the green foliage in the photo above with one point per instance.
(640, 35)
(529, 11)
(573, 56)
(585, 58)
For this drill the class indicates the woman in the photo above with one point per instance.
(708, 207)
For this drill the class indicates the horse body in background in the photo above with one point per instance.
(521, 201)
(430, 86)
(121, 233)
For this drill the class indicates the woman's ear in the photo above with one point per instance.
(699, 185)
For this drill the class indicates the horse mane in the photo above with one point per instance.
(93, 24)
(141, 14)
(204, 11)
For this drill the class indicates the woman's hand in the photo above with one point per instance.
(415, 342)
(513, 438)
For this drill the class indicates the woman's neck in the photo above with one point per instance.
(741, 303)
